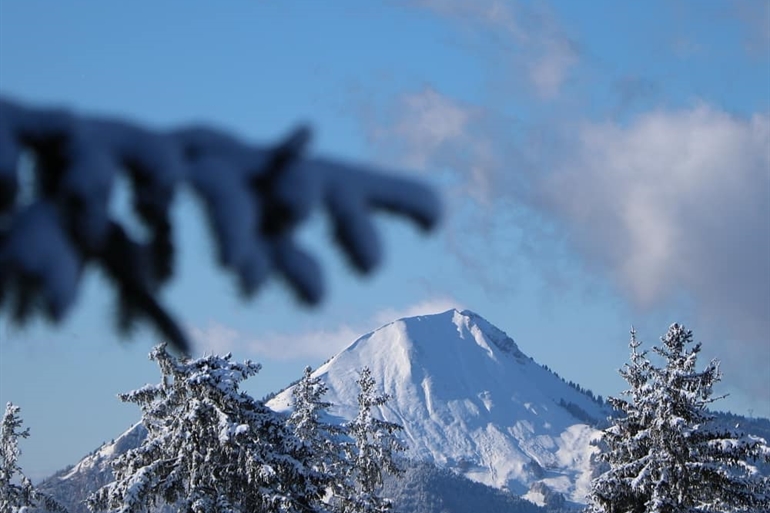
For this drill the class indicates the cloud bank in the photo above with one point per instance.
(676, 201)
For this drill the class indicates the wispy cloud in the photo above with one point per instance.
(215, 338)
(551, 70)
(314, 344)
(423, 125)
(430, 132)
(427, 306)
(532, 39)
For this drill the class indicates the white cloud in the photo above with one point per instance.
(675, 202)
(550, 71)
(317, 344)
(676, 206)
(216, 338)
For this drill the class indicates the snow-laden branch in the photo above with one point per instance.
(255, 198)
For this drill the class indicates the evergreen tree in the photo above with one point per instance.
(16, 490)
(319, 441)
(210, 448)
(664, 453)
(372, 453)
(612, 491)
(308, 406)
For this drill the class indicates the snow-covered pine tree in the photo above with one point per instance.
(16, 490)
(372, 453)
(320, 441)
(210, 447)
(308, 405)
(664, 452)
(612, 491)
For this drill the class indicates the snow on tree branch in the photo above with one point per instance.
(255, 198)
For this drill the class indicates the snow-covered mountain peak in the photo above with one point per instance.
(439, 338)
(470, 400)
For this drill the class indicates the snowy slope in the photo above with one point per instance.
(470, 401)
(72, 485)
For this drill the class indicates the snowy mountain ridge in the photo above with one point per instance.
(73, 484)
(472, 402)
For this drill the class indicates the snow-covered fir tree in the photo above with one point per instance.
(665, 455)
(319, 440)
(613, 490)
(16, 491)
(210, 447)
(373, 453)
(308, 406)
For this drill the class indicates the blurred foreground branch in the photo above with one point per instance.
(255, 198)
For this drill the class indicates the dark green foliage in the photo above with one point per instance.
(579, 413)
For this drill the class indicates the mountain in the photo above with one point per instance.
(470, 401)
(72, 485)
(472, 406)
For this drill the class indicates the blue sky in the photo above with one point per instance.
(602, 164)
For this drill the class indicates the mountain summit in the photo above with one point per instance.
(472, 402)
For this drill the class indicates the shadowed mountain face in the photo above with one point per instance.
(424, 488)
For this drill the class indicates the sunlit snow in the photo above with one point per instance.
(471, 401)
